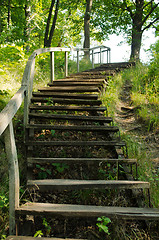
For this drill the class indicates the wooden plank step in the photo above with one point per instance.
(69, 89)
(80, 160)
(89, 76)
(38, 238)
(69, 184)
(68, 101)
(71, 117)
(74, 79)
(74, 128)
(72, 83)
(67, 210)
(66, 95)
(76, 143)
(68, 108)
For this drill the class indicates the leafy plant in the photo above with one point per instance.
(47, 226)
(44, 172)
(38, 233)
(102, 225)
(60, 167)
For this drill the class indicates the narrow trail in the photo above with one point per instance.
(129, 123)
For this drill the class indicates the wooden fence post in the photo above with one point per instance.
(52, 66)
(13, 176)
(92, 58)
(77, 60)
(66, 64)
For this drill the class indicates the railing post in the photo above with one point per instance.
(66, 64)
(52, 66)
(109, 54)
(92, 58)
(13, 176)
(28, 93)
(100, 56)
(77, 60)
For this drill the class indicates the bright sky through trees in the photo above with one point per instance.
(121, 52)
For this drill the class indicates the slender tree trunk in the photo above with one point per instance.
(27, 29)
(87, 26)
(48, 24)
(9, 14)
(49, 35)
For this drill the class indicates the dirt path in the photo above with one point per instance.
(126, 119)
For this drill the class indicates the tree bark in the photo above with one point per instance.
(49, 35)
(137, 30)
(87, 26)
(27, 29)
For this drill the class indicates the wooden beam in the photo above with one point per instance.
(11, 108)
(13, 175)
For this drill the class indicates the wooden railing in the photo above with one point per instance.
(8, 113)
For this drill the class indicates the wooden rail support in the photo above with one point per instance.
(52, 66)
(13, 176)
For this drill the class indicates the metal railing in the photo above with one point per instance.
(8, 113)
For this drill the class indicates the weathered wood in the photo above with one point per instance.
(71, 117)
(74, 128)
(76, 143)
(69, 184)
(72, 83)
(11, 108)
(72, 211)
(66, 95)
(38, 238)
(67, 101)
(80, 160)
(76, 80)
(68, 108)
(13, 175)
(69, 89)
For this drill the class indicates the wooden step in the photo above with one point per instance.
(66, 95)
(69, 184)
(72, 211)
(74, 79)
(80, 160)
(76, 143)
(89, 76)
(69, 89)
(67, 101)
(74, 128)
(68, 108)
(71, 117)
(73, 83)
(38, 238)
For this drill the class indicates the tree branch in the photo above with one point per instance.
(150, 24)
(147, 16)
(128, 9)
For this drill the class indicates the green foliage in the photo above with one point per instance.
(43, 172)
(60, 167)
(38, 234)
(11, 53)
(102, 225)
(4, 202)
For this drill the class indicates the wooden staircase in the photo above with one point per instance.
(68, 126)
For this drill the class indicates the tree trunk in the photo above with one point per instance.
(137, 30)
(27, 29)
(87, 26)
(136, 44)
(49, 35)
